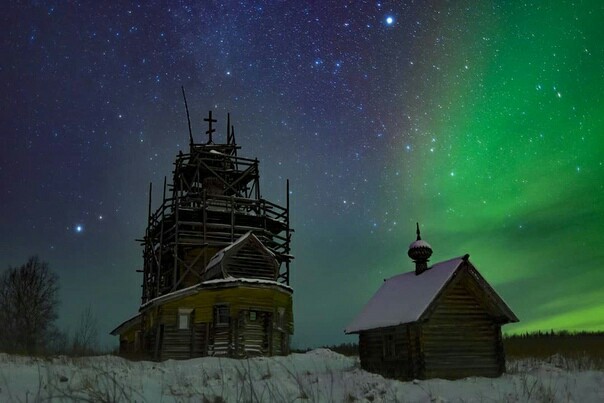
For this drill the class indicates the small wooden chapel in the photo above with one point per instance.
(439, 321)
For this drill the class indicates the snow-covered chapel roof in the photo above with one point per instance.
(404, 298)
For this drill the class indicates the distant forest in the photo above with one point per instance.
(546, 344)
(533, 345)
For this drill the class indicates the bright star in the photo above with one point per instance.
(79, 228)
(389, 20)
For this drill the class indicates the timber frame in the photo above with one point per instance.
(213, 200)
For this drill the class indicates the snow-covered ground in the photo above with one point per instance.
(317, 376)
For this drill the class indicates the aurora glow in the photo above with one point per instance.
(520, 121)
(484, 121)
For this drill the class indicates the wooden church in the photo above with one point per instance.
(216, 262)
(442, 321)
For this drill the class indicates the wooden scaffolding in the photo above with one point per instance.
(214, 199)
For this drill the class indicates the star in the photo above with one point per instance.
(389, 20)
(79, 228)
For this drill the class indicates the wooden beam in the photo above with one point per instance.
(188, 117)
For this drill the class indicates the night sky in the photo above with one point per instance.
(482, 120)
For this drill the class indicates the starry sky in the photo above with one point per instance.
(482, 120)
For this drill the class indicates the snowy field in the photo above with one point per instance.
(317, 376)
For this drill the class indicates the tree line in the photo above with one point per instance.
(29, 302)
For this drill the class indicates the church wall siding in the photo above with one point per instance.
(387, 351)
(252, 329)
(460, 338)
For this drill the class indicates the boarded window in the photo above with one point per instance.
(184, 319)
(221, 315)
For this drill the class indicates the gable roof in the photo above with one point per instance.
(215, 267)
(404, 298)
(126, 325)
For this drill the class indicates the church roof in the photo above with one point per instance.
(214, 269)
(216, 283)
(404, 298)
(127, 324)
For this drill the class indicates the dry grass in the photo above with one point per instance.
(111, 379)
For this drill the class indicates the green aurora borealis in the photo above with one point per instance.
(512, 171)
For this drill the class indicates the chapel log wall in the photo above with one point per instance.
(460, 338)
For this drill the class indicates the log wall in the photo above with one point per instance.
(460, 338)
(388, 351)
(254, 333)
(280, 342)
(167, 341)
(220, 341)
(260, 320)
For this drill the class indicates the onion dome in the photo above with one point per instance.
(420, 252)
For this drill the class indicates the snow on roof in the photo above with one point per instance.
(214, 267)
(420, 243)
(197, 287)
(170, 295)
(217, 258)
(404, 298)
(246, 280)
(220, 254)
(126, 324)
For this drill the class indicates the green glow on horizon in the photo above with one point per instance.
(516, 175)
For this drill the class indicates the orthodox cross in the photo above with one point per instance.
(210, 129)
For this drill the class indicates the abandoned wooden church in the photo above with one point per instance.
(216, 262)
(442, 321)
